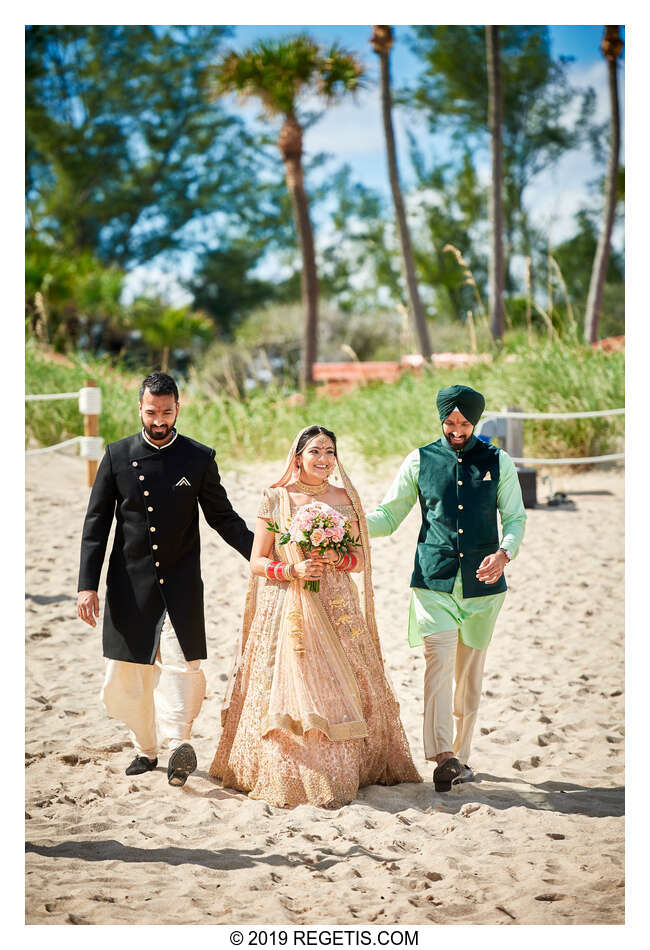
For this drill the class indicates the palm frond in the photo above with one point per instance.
(279, 72)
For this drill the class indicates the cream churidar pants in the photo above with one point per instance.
(157, 702)
(448, 658)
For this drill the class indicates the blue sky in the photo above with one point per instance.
(581, 42)
(352, 131)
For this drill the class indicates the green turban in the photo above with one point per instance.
(468, 402)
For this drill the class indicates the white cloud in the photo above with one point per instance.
(349, 128)
(555, 195)
(154, 281)
(595, 75)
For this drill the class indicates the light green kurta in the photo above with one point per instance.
(433, 611)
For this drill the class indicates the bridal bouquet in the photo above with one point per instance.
(317, 527)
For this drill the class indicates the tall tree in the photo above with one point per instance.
(495, 116)
(382, 43)
(612, 46)
(361, 265)
(126, 156)
(280, 74)
(452, 91)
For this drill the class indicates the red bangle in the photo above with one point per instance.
(279, 571)
(348, 563)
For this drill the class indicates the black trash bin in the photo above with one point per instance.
(528, 483)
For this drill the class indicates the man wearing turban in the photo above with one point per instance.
(458, 584)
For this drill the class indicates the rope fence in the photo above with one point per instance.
(515, 434)
(513, 414)
(38, 397)
(90, 406)
(581, 461)
(92, 445)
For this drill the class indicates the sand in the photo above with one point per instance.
(537, 839)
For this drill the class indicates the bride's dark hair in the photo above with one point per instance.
(310, 434)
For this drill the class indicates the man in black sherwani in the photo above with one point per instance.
(154, 628)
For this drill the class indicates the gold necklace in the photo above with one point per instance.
(311, 489)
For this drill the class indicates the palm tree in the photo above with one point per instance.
(164, 328)
(495, 116)
(612, 46)
(280, 73)
(382, 42)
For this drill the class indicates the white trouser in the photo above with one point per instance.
(448, 658)
(170, 691)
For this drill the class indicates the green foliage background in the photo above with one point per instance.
(130, 161)
(376, 421)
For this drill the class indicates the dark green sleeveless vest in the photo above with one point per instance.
(458, 498)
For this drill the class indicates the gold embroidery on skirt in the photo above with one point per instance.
(295, 627)
(341, 621)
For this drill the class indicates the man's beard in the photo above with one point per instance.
(457, 446)
(158, 434)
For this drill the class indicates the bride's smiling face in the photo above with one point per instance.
(317, 459)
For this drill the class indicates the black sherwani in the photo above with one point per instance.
(155, 562)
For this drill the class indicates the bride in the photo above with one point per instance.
(309, 715)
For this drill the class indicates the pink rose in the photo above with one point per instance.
(317, 537)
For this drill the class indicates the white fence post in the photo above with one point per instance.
(91, 444)
(91, 428)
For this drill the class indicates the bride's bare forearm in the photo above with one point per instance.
(259, 565)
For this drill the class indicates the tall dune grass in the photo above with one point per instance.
(47, 423)
(377, 420)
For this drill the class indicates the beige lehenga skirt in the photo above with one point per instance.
(285, 768)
